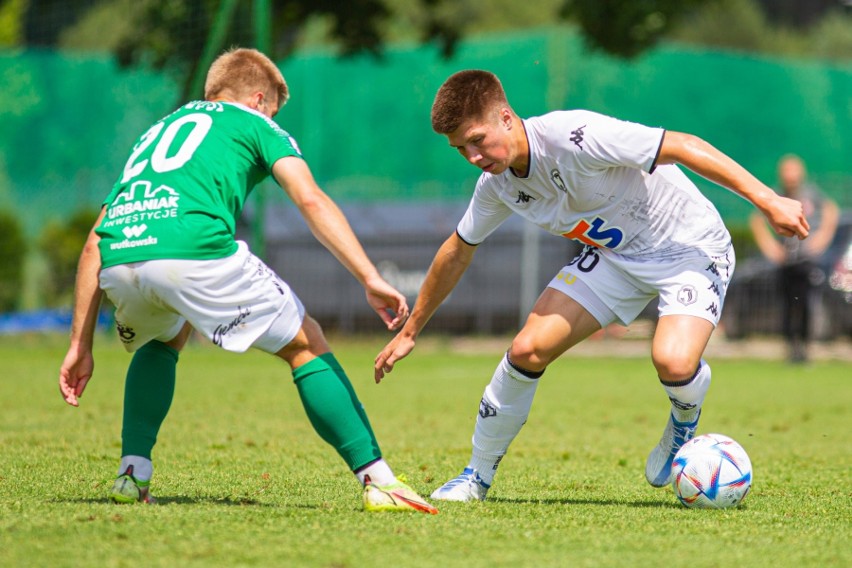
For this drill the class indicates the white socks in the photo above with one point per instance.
(502, 412)
(687, 396)
(143, 469)
(379, 471)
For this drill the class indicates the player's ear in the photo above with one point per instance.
(506, 118)
(255, 100)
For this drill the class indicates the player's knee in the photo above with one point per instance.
(675, 367)
(314, 334)
(524, 353)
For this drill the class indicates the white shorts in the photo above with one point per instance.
(615, 288)
(237, 302)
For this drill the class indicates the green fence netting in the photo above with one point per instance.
(363, 124)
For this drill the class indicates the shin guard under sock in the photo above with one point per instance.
(503, 411)
(687, 396)
(148, 393)
(335, 412)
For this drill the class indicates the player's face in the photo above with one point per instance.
(485, 143)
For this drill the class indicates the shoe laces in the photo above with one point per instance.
(682, 432)
(467, 476)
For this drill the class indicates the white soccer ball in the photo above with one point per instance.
(711, 471)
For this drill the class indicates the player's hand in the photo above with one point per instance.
(399, 347)
(74, 374)
(388, 302)
(787, 217)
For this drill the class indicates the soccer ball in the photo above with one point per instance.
(711, 471)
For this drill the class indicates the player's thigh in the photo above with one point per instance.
(138, 319)
(179, 341)
(692, 293)
(678, 345)
(556, 323)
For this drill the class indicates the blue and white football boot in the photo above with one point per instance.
(466, 487)
(658, 468)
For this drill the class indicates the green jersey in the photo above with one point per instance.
(186, 182)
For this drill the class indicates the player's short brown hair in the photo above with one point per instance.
(241, 71)
(469, 94)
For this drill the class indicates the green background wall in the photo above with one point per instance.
(68, 120)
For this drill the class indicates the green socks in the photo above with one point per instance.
(148, 394)
(326, 393)
(335, 411)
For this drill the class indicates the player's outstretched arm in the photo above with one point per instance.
(786, 216)
(78, 365)
(450, 262)
(328, 224)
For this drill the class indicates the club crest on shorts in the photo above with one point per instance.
(687, 295)
(125, 333)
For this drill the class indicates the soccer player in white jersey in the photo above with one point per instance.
(648, 232)
(164, 252)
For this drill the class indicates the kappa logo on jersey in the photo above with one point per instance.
(524, 197)
(557, 180)
(577, 137)
(595, 235)
(135, 231)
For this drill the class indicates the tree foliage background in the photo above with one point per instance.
(170, 34)
(13, 251)
(60, 243)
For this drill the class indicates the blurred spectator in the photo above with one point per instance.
(798, 272)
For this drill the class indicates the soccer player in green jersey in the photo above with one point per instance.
(163, 250)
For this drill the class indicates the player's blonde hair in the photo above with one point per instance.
(470, 94)
(242, 71)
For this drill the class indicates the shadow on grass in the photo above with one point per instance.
(602, 502)
(178, 500)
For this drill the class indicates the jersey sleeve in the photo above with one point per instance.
(599, 141)
(113, 193)
(484, 214)
(275, 143)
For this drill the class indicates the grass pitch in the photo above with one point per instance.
(242, 480)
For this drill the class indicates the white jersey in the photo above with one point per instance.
(592, 178)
